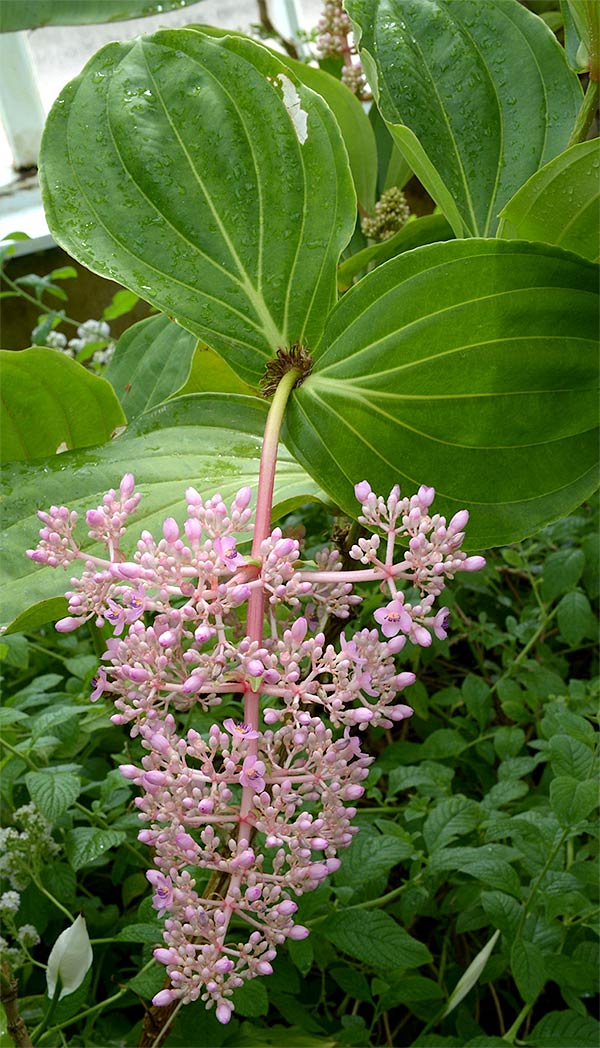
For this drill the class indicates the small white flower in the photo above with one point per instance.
(69, 959)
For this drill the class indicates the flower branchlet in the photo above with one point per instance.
(264, 804)
(391, 213)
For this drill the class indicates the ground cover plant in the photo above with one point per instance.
(336, 784)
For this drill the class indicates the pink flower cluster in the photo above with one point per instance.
(252, 815)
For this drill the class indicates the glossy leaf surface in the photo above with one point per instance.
(31, 14)
(560, 204)
(48, 400)
(349, 113)
(204, 193)
(152, 360)
(209, 441)
(478, 96)
(470, 366)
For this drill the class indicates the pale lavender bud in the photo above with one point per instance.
(95, 518)
(204, 633)
(425, 495)
(170, 530)
(239, 594)
(242, 498)
(129, 771)
(223, 965)
(192, 530)
(287, 908)
(361, 716)
(136, 674)
(264, 968)
(168, 639)
(165, 956)
(399, 712)
(223, 1012)
(127, 485)
(422, 636)
(299, 629)
(246, 859)
(298, 932)
(193, 497)
(353, 792)
(362, 491)
(404, 680)
(68, 624)
(458, 522)
(473, 564)
(164, 997)
(127, 571)
(255, 668)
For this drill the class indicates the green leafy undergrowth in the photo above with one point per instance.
(477, 830)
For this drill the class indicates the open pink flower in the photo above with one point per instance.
(240, 731)
(253, 771)
(393, 617)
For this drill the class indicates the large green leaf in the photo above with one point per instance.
(48, 400)
(151, 362)
(478, 96)
(204, 193)
(560, 204)
(470, 366)
(352, 120)
(31, 14)
(156, 359)
(208, 440)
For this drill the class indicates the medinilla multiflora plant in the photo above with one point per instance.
(223, 184)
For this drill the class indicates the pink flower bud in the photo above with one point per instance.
(95, 518)
(298, 932)
(129, 771)
(287, 908)
(239, 594)
(68, 624)
(361, 715)
(170, 530)
(362, 491)
(353, 792)
(242, 498)
(473, 564)
(223, 1012)
(164, 997)
(165, 956)
(399, 712)
(168, 639)
(299, 629)
(264, 968)
(223, 965)
(127, 485)
(458, 522)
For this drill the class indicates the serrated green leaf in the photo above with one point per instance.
(509, 741)
(474, 117)
(213, 440)
(557, 1029)
(570, 757)
(575, 618)
(470, 366)
(151, 362)
(451, 818)
(497, 872)
(31, 14)
(49, 400)
(84, 844)
(527, 967)
(572, 801)
(369, 856)
(562, 571)
(201, 193)
(559, 204)
(503, 911)
(53, 791)
(375, 938)
(148, 933)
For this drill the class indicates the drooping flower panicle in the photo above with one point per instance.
(244, 820)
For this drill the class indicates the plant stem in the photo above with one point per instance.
(36, 302)
(15, 1026)
(58, 904)
(511, 1034)
(96, 1007)
(586, 114)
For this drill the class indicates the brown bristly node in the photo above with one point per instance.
(296, 358)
